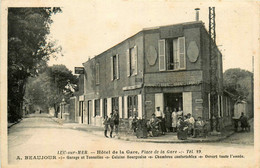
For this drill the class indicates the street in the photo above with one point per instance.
(39, 135)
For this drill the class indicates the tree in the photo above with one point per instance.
(28, 51)
(238, 82)
(51, 86)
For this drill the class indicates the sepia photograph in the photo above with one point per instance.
(129, 83)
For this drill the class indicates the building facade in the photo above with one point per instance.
(157, 67)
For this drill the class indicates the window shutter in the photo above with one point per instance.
(112, 70)
(127, 63)
(176, 60)
(181, 49)
(161, 46)
(125, 107)
(109, 106)
(101, 108)
(117, 63)
(93, 108)
(135, 58)
(140, 106)
(120, 107)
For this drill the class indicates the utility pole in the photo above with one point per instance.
(213, 72)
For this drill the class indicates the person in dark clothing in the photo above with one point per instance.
(168, 119)
(116, 121)
(111, 124)
(134, 123)
(106, 123)
(182, 129)
(244, 122)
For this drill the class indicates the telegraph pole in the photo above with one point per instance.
(213, 71)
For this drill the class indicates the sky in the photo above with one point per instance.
(87, 28)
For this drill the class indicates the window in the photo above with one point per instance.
(172, 54)
(114, 67)
(105, 107)
(132, 106)
(115, 104)
(97, 73)
(97, 107)
(132, 61)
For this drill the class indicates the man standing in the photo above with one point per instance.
(111, 124)
(160, 115)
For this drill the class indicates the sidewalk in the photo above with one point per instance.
(12, 124)
(168, 138)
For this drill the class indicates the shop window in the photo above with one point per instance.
(114, 67)
(172, 54)
(97, 107)
(132, 61)
(132, 106)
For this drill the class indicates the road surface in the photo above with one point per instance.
(40, 140)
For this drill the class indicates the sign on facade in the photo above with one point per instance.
(79, 70)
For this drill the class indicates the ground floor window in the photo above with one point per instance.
(97, 107)
(132, 106)
(81, 108)
(115, 104)
(105, 108)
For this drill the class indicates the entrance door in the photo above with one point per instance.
(173, 100)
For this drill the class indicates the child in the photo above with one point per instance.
(106, 123)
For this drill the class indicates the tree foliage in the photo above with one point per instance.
(28, 51)
(238, 82)
(51, 86)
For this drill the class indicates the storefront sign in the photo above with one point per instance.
(132, 87)
(198, 100)
(79, 70)
(173, 84)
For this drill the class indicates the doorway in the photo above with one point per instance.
(173, 100)
(88, 112)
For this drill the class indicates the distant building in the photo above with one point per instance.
(161, 66)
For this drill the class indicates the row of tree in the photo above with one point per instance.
(29, 49)
(51, 86)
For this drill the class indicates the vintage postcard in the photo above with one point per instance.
(130, 83)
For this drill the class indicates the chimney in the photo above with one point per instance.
(197, 13)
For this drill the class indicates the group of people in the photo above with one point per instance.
(174, 121)
(110, 123)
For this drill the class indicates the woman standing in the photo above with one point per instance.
(174, 120)
(168, 119)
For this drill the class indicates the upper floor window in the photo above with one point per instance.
(172, 54)
(114, 67)
(132, 61)
(97, 73)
